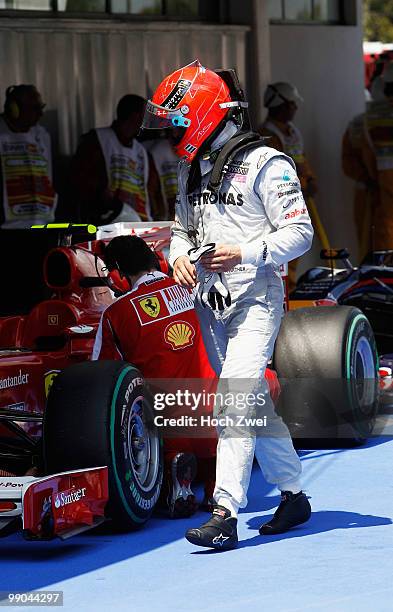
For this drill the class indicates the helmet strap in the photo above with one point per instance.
(240, 142)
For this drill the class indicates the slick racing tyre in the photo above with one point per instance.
(327, 363)
(98, 413)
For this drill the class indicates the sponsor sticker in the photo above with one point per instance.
(179, 335)
(262, 160)
(223, 197)
(264, 252)
(281, 194)
(292, 201)
(16, 483)
(237, 172)
(71, 496)
(81, 329)
(286, 185)
(14, 381)
(163, 304)
(177, 299)
(145, 504)
(295, 213)
(48, 380)
(190, 148)
(151, 306)
(177, 94)
(19, 407)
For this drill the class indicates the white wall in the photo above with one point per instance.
(82, 68)
(325, 63)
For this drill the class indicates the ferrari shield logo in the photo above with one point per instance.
(151, 306)
(49, 378)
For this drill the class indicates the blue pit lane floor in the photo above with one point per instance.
(341, 560)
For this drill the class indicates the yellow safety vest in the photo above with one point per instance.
(28, 196)
(128, 171)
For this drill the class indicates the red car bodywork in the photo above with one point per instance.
(54, 334)
(61, 330)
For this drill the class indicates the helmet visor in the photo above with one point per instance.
(159, 118)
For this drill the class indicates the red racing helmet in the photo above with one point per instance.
(194, 98)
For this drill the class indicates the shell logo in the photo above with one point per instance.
(179, 335)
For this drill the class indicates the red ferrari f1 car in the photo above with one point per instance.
(78, 442)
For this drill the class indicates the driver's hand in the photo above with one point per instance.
(184, 272)
(223, 258)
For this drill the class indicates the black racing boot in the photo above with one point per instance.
(181, 499)
(293, 510)
(220, 531)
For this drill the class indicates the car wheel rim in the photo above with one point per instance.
(364, 360)
(143, 448)
(364, 373)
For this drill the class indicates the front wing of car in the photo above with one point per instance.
(59, 505)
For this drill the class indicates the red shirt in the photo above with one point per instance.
(156, 328)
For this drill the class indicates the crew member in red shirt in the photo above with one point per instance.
(154, 326)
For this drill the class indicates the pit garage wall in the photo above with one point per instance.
(325, 63)
(82, 68)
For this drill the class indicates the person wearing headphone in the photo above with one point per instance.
(281, 100)
(27, 195)
(112, 177)
(153, 325)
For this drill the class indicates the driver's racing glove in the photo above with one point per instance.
(213, 289)
(197, 252)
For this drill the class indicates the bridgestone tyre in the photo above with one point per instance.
(99, 413)
(326, 360)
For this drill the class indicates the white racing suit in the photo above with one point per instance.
(259, 207)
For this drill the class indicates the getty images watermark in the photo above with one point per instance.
(231, 409)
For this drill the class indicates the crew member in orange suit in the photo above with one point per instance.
(377, 157)
(354, 167)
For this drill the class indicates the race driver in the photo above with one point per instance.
(239, 227)
(153, 325)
